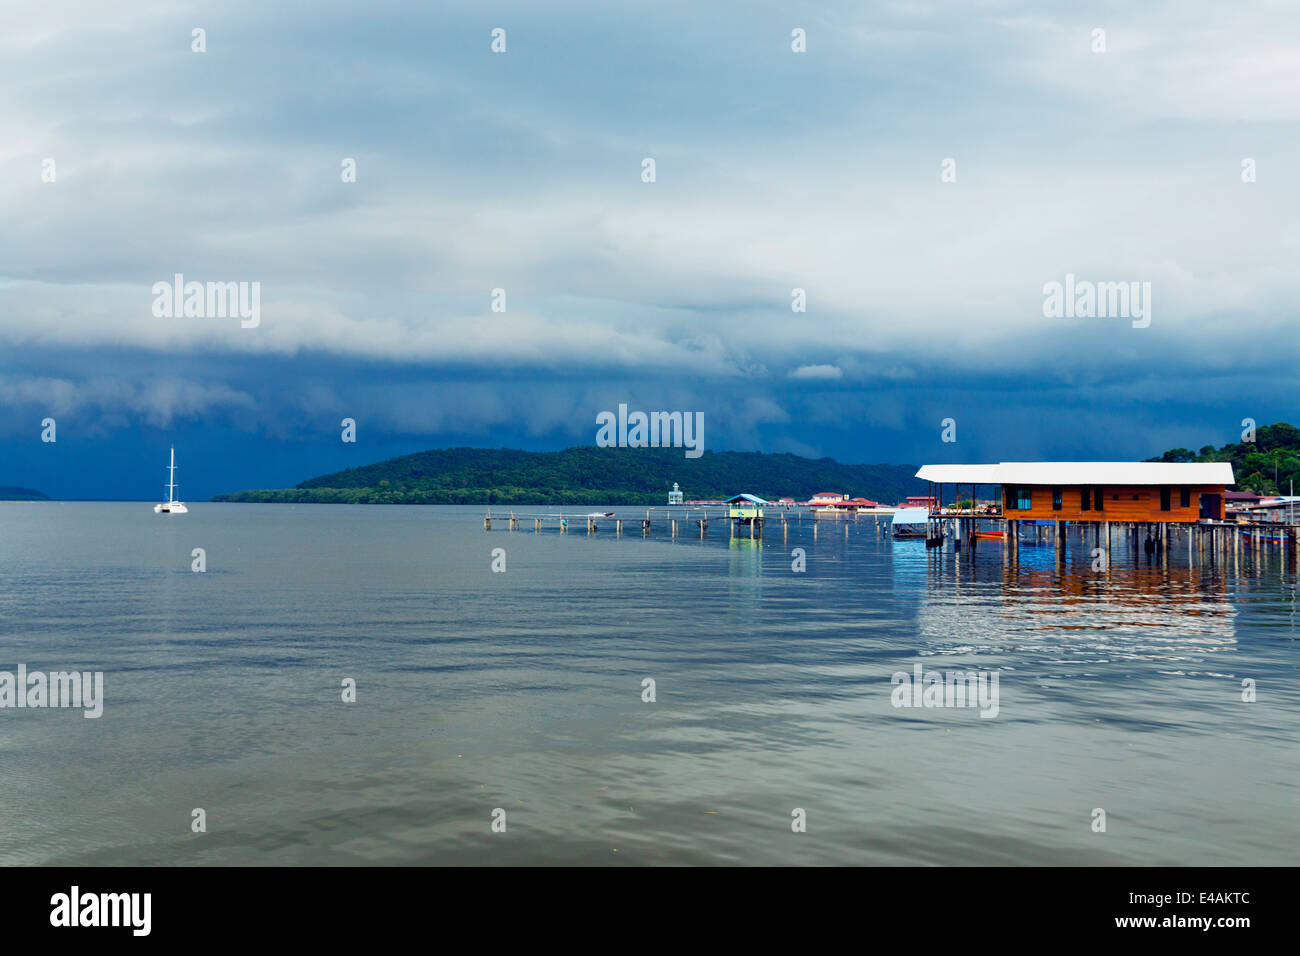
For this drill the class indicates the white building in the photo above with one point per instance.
(675, 496)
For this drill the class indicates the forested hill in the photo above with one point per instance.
(1266, 466)
(12, 493)
(588, 475)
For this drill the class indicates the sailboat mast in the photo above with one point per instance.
(171, 477)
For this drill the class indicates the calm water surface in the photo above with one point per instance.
(522, 690)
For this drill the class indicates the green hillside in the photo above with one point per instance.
(587, 475)
(1267, 466)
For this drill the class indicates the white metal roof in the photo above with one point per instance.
(1082, 473)
(960, 474)
(911, 516)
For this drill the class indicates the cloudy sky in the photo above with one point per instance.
(522, 171)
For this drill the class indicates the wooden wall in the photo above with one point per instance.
(1140, 503)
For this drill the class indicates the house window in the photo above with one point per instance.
(1024, 499)
(1184, 497)
(1056, 499)
(1084, 498)
(1098, 499)
(1164, 498)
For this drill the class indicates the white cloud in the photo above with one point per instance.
(818, 372)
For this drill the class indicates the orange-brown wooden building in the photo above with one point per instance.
(1160, 492)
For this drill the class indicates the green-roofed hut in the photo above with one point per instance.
(745, 510)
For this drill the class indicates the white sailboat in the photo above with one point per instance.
(171, 506)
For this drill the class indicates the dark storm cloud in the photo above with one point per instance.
(776, 171)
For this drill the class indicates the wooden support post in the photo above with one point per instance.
(487, 523)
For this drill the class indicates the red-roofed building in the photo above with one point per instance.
(824, 498)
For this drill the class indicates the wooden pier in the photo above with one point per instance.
(1208, 542)
(676, 521)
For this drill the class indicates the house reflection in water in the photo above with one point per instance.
(745, 577)
(746, 557)
(1074, 615)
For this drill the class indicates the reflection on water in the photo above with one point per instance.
(522, 690)
(746, 557)
(1074, 614)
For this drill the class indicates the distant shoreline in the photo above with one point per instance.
(586, 475)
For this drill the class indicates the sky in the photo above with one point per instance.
(921, 170)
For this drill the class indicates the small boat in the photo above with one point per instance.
(1267, 535)
(601, 514)
(171, 506)
(991, 535)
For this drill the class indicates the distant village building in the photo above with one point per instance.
(675, 496)
(859, 503)
(826, 498)
(1283, 508)
(1241, 500)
